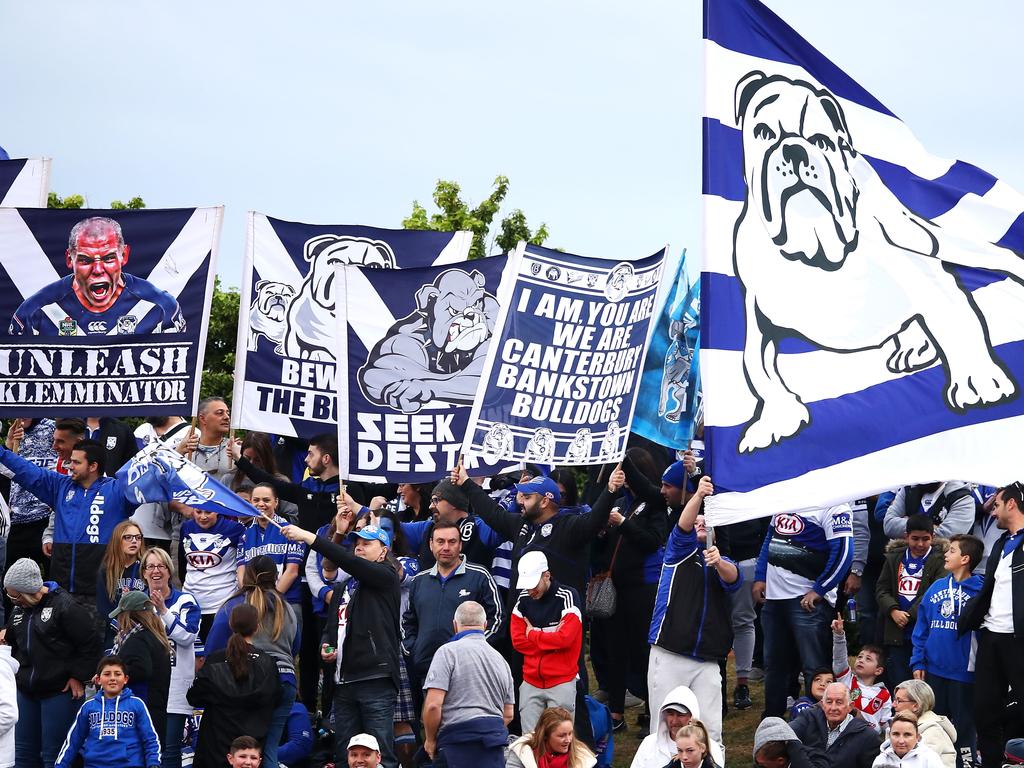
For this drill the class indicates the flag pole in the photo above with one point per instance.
(192, 431)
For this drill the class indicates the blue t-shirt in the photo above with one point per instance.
(271, 542)
(142, 308)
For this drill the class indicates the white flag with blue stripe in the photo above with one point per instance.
(24, 183)
(863, 300)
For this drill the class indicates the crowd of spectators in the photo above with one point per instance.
(451, 623)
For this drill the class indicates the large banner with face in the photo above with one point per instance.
(562, 374)
(24, 183)
(670, 401)
(412, 351)
(104, 312)
(284, 369)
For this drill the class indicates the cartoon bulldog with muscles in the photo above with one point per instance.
(437, 352)
(818, 230)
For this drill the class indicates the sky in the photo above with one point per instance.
(345, 113)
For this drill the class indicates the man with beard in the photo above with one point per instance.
(449, 503)
(98, 297)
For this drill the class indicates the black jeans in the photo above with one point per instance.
(999, 667)
(629, 628)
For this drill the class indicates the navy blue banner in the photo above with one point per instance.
(284, 372)
(415, 342)
(562, 376)
(24, 183)
(104, 312)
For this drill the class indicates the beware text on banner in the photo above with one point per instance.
(285, 378)
(561, 379)
(412, 348)
(104, 312)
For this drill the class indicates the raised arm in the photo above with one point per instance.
(46, 485)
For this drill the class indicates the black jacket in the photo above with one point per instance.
(977, 608)
(53, 641)
(148, 666)
(856, 747)
(427, 622)
(370, 649)
(565, 539)
(119, 441)
(232, 708)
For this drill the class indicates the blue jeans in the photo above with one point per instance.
(170, 754)
(277, 723)
(367, 706)
(43, 723)
(794, 639)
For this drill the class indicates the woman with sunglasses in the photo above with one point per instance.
(180, 614)
(120, 572)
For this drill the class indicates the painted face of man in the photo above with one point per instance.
(97, 261)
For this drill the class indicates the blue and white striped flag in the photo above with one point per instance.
(158, 473)
(862, 300)
(24, 183)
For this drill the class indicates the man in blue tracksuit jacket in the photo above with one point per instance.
(435, 594)
(88, 505)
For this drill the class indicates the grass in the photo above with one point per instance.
(738, 729)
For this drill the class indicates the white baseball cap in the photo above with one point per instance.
(364, 740)
(531, 567)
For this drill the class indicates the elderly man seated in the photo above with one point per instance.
(847, 740)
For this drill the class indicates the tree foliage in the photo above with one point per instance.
(455, 214)
(221, 337)
(74, 202)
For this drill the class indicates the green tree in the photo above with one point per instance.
(74, 202)
(221, 338)
(455, 214)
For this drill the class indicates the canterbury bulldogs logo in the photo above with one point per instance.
(126, 325)
(817, 226)
(45, 614)
(111, 442)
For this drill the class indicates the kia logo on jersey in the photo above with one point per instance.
(788, 524)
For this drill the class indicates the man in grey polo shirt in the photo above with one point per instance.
(469, 697)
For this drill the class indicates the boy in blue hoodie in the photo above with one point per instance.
(113, 728)
(940, 657)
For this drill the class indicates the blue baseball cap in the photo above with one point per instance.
(542, 485)
(373, 533)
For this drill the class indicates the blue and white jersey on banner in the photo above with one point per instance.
(412, 348)
(560, 382)
(670, 403)
(863, 300)
(284, 369)
(24, 183)
(104, 313)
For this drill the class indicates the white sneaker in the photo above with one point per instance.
(632, 701)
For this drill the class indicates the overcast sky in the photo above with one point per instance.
(344, 113)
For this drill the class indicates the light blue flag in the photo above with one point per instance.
(671, 400)
(159, 474)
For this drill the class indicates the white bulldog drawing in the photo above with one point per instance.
(498, 442)
(309, 325)
(541, 447)
(267, 314)
(610, 443)
(818, 229)
(579, 448)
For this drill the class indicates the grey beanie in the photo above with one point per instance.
(446, 490)
(24, 577)
(772, 729)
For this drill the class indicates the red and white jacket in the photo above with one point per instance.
(551, 649)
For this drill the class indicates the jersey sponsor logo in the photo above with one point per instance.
(203, 560)
(842, 521)
(788, 524)
(97, 326)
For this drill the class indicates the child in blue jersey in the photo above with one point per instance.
(941, 656)
(113, 728)
(213, 567)
(265, 538)
(823, 677)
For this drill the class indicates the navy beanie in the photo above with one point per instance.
(675, 475)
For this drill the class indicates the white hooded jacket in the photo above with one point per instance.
(919, 757)
(8, 705)
(657, 749)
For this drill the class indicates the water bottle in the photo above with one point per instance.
(851, 611)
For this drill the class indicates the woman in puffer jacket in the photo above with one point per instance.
(936, 731)
(551, 744)
(903, 748)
